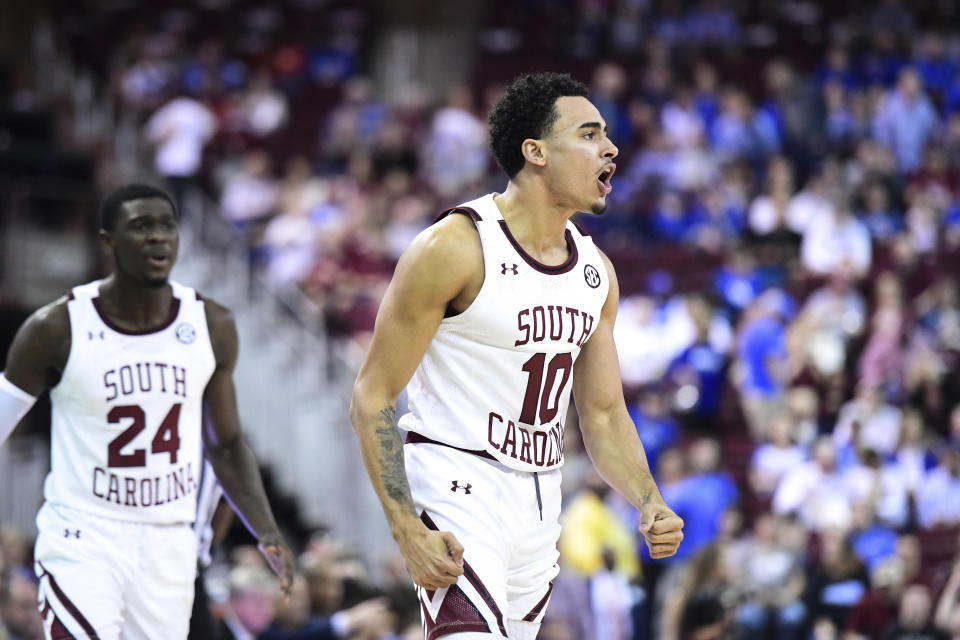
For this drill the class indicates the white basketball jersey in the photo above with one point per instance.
(126, 440)
(497, 377)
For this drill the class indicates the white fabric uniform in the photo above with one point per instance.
(116, 554)
(485, 428)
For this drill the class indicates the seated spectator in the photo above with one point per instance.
(880, 487)
(882, 219)
(768, 212)
(880, 606)
(655, 424)
(815, 491)
(938, 502)
(738, 281)
(250, 196)
(914, 621)
(914, 454)
(868, 418)
(776, 457)
(947, 616)
(772, 579)
(837, 581)
(835, 240)
(19, 617)
(250, 609)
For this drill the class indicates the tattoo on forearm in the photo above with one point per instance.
(392, 472)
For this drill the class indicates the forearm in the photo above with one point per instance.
(618, 455)
(239, 475)
(14, 404)
(375, 423)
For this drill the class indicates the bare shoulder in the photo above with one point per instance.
(40, 348)
(223, 331)
(444, 262)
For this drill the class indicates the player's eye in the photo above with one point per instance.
(589, 135)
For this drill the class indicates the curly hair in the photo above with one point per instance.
(110, 208)
(527, 110)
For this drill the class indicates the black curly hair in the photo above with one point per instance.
(527, 110)
(110, 208)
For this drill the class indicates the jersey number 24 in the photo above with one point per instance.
(166, 440)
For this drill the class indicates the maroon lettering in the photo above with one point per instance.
(490, 429)
(115, 455)
(558, 325)
(114, 489)
(179, 381)
(573, 313)
(525, 446)
(130, 484)
(510, 438)
(146, 492)
(126, 382)
(156, 492)
(97, 472)
(587, 328)
(539, 450)
(163, 371)
(560, 362)
(523, 327)
(109, 384)
(539, 324)
(534, 369)
(179, 484)
(149, 384)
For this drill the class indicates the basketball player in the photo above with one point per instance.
(133, 362)
(494, 313)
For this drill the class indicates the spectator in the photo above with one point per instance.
(836, 582)
(906, 120)
(179, 131)
(879, 607)
(250, 197)
(19, 616)
(938, 503)
(835, 240)
(914, 621)
(815, 490)
(250, 609)
(456, 150)
(776, 457)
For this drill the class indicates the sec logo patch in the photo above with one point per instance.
(186, 333)
(592, 276)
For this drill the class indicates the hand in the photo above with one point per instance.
(434, 559)
(371, 618)
(279, 557)
(662, 529)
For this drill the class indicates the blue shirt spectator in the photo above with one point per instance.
(905, 121)
(762, 340)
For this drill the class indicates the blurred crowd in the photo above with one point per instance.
(785, 221)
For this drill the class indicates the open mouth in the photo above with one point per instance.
(159, 260)
(604, 178)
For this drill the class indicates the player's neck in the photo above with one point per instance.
(537, 223)
(133, 304)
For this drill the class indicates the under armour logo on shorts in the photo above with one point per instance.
(76, 532)
(504, 268)
(456, 485)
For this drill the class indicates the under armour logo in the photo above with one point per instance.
(75, 533)
(91, 335)
(504, 268)
(456, 485)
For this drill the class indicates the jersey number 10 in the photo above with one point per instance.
(534, 398)
(166, 440)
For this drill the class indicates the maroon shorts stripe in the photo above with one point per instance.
(68, 604)
(415, 438)
(58, 631)
(456, 615)
(472, 578)
(530, 617)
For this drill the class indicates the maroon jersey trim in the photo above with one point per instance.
(174, 311)
(463, 210)
(415, 438)
(552, 270)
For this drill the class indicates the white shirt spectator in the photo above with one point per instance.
(771, 462)
(247, 198)
(939, 499)
(180, 130)
(682, 125)
(457, 150)
(764, 215)
(819, 497)
(805, 206)
(879, 426)
(834, 239)
(886, 487)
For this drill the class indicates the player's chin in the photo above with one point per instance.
(599, 206)
(156, 281)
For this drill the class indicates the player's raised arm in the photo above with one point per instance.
(610, 436)
(232, 460)
(38, 353)
(441, 267)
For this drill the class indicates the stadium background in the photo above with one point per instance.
(785, 223)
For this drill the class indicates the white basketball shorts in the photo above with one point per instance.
(111, 579)
(508, 524)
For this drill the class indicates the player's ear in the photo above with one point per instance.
(106, 240)
(534, 152)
